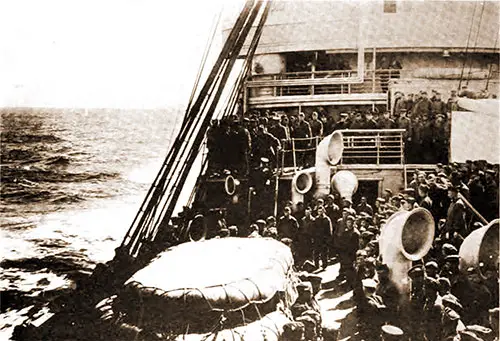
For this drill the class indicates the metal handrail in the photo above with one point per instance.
(377, 145)
(320, 82)
(314, 74)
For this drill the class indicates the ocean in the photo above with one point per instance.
(71, 183)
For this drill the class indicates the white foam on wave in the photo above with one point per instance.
(81, 235)
(94, 232)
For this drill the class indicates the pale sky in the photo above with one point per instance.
(108, 53)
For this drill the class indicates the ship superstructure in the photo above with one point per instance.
(336, 57)
(338, 54)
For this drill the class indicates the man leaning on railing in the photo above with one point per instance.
(302, 130)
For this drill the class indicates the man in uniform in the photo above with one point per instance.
(302, 131)
(364, 207)
(370, 123)
(455, 220)
(419, 179)
(399, 104)
(270, 230)
(243, 145)
(426, 201)
(306, 237)
(347, 247)
(438, 107)
(344, 122)
(288, 227)
(316, 125)
(441, 138)
(214, 148)
(322, 237)
(432, 269)
(388, 291)
(417, 301)
(265, 146)
(452, 104)
(386, 122)
(286, 144)
(409, 104)
(423, 106)
(371, 310)
(403, 122)
(358, 122)
(279, 130)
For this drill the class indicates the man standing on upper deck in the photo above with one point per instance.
(274, 128)
(427, 140)
(423, 106)
(369, 123)
(343, 123)
(399, 104)
(438, 107)
(302, 128)
(214, 148)
(358, 122)
(386, 122)
(409, 104)
(265, 146)
(242, 142)
(302, 131)
(452, 103)
(316, 125)
(285, 123)
(403, 122)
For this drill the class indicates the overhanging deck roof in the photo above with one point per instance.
(415, 26)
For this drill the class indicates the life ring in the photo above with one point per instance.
(231, 184)
(196, 230)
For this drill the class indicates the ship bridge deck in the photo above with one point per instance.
(318, 88)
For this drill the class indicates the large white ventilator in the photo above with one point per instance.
(346, 184)
(328, 153)
(480, 250)
(302, 182)
(406, 237)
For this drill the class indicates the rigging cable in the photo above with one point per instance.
(179, 146)
(176, 185)
(475, 43)
(208, 47)
(467, 48)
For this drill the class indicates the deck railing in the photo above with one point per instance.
(361, 146)
(320, 83)
(384, 146)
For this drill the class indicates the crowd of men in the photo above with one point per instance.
(238, 143)
(445, 304)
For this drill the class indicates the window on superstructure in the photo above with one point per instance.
(389, 6)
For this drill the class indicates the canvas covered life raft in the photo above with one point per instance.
(228, 283)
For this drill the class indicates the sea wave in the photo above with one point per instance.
(17, 137)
